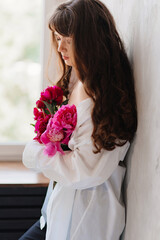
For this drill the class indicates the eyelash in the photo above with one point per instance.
(58, 39)
(68, 41)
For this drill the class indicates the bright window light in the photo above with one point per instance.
(20, 69)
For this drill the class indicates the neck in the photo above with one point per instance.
(74, 80)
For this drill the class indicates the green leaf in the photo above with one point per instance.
(65, 102)
(50, 107)
(65, 147)
(46, 111)
(32, 124)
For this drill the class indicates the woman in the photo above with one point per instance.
(86, 202)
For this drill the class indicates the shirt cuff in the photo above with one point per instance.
(42, 222)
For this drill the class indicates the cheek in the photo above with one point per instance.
(70, 50)
(71, 61)
(72, 55)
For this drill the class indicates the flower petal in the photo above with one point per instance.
(44, 138)
(50, 149)
(59, 149)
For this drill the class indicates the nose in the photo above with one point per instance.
(61, 46)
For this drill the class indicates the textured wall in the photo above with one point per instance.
(138, 22)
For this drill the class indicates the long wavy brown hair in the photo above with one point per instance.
(103, 67)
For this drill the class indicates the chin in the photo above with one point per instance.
(68, 63)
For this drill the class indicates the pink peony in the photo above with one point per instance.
(59, 129)
(66, 118)
(50, 94)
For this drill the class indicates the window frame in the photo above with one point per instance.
(11, 152)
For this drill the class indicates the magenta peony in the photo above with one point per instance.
(41, 123)
(54, 124)
(37, 114)
(59, 129)
(46, 106)
(53, 93)
(40, 104)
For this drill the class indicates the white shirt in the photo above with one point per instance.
(86, 203)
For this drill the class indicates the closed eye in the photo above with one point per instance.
(57, 37)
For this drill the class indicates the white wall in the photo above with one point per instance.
(138, 22)
(51, 72)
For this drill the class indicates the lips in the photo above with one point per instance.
(65, 58)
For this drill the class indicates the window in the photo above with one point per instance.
(20, 72)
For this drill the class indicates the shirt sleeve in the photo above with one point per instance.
(79, 168)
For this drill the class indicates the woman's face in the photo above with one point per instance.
(65, 47)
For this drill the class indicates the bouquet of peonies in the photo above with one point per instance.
(55, 120)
